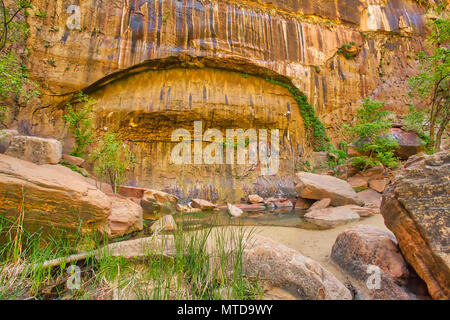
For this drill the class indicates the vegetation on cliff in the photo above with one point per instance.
(313, 125)
(14, 80)
(433, 82)
(111, 156)
(370, 138)
(80, 124)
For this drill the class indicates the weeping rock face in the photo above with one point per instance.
(99, 46)
(80, 42)
(146, 108)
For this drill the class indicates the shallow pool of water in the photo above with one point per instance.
(277, 218)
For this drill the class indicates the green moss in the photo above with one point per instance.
(345, 50)
(41, 14)
(314, 127)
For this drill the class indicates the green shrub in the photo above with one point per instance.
(304, 166)
(80, 123)
(15, 84)
(336, 156)
(346, 51)
(432, 83)
(414, 121)
(112, 158)
(369, 134)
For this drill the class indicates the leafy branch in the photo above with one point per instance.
(8, 18)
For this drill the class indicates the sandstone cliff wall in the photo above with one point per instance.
(296, 41)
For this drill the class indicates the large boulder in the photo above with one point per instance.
(366, 252)
(287, 268)
(333, 216)
(183, 208)
(202, 204)
(126, 216)
(52, 196)
(416, 208)
(255, 207)
(35, 149)
(315, 186)
(154, 201)
(409, 143)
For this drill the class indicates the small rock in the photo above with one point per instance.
(202, 204)
(248, 207)
(283, 204)
(166, 223)
(364, 211)
(303, 204)
(254, 198)
(76, 161)
(105, 187)
(272, 200)
(34, 149)
(376, 172)
(378, 185)
(370, 197)
(345, 171)
(125, 217)
(409, 143)
(358, 182)
(132, 192)
(319, 161)
(154, 200)
(234, 211)
(186, 209)
(322, 204)
(341, 171)
(336, 215)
